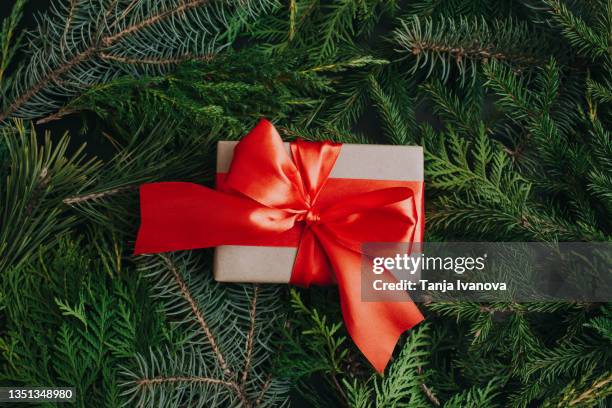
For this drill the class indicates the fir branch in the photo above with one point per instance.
(201, 321)
(466, 42)
(396, 125)
(156, 381)
(588, 41)
(156, 61)
(160, 15)
(103, 45)
(8, 43)
(250, 336)
(97, 196)
(600, 91)
(215, 360)
(600, 389)
(48, 78)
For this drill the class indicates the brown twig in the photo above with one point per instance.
(110, 40)
(143, 382)
(250, 335)
(156, 61)
(477, 53)
(56, 116)
(428, 392)
(591, 391)
(263, 391)
(68, 22)
(195, 309)
(95, 196)
(52, 76)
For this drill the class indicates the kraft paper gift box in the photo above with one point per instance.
(273, 264)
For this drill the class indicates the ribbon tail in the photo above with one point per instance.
(179, 216)
(375, 327)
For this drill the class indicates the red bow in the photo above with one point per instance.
(269, 198)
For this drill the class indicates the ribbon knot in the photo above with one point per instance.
(312, 217)
(262, 200)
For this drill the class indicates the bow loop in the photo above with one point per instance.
(386, 215)
(276, 180)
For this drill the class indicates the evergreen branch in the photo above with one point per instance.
(8, 44)
(202, 307)
(108, 46)
(566, 359)
(97, 196)
(47, 79)
(31, 214)
(403, 382)
(146, 382)
(457, 112)
(395, 125)
(151, 20)
(599, 389)
(600, 91)
(263, 391)
(577, 31)
(94, 336)
(156, 61)
(466, 42)
(431, 396)
(200, 319)
(337, 27)
(250, 335)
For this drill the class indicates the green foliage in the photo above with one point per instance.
(510, 99)
(9, 44)
(36, 178)
(223, 346)
(227, 94)
(80, 44)
(71, 321)
(589, 38)
(465, 43)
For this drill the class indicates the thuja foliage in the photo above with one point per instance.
(72, 318)
(227, 94)
(510, 99)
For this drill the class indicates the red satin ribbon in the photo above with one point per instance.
(269, 198)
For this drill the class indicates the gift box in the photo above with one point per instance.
(273, 264)
(300, 213)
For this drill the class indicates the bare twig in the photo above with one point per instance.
(195, 309)
(95, 196)
(143, 382)
(430, 395)
(592, 391)
(199, 316)
(156, 61)
(250, 335)
(427, 391)
(56, 116)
